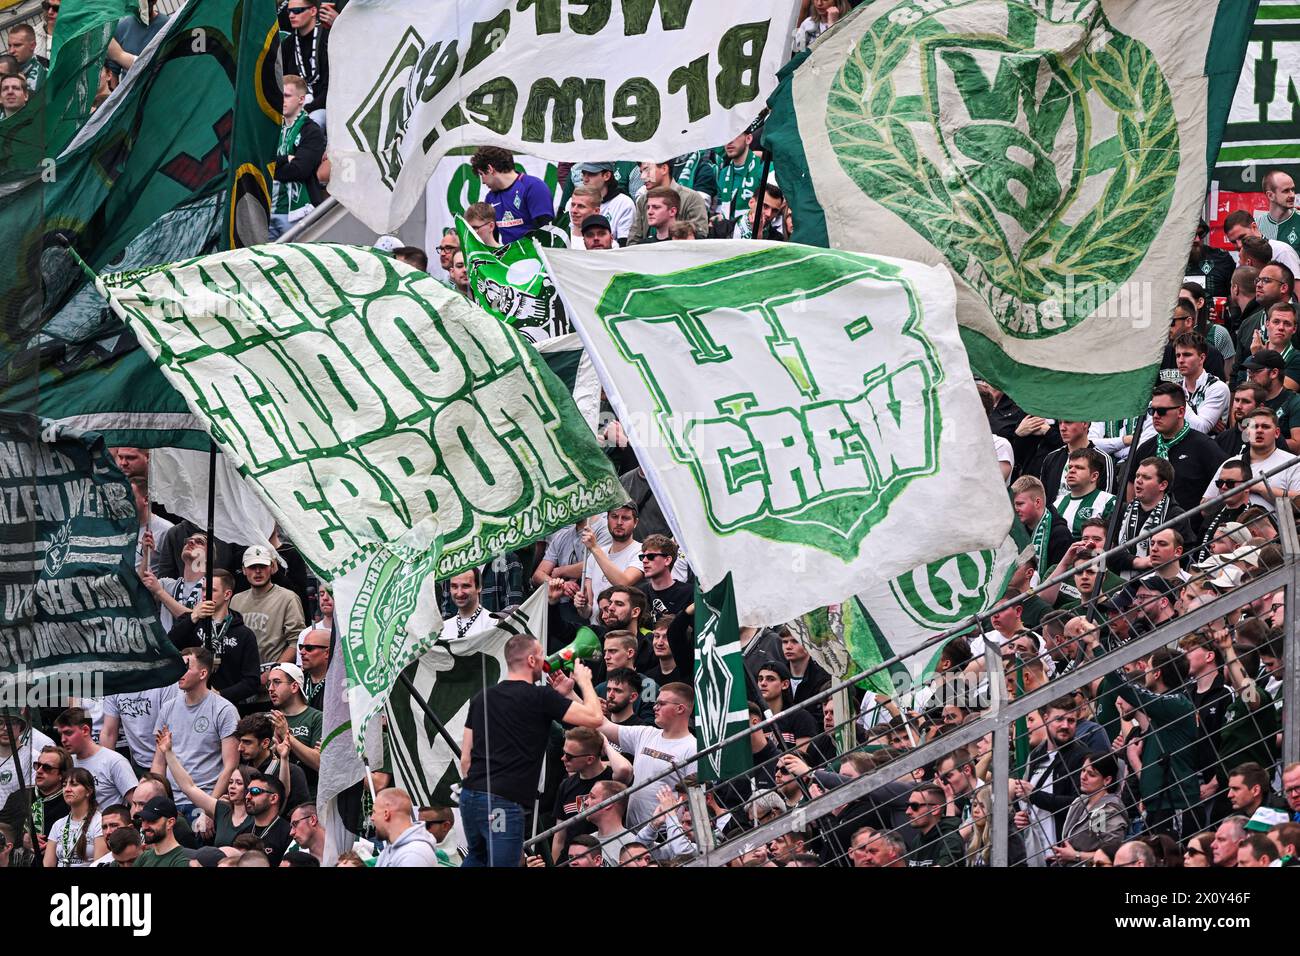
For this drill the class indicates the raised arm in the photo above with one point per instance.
(204, 801)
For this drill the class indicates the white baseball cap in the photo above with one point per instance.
(293, 670)
(258, 554)
(388, 243)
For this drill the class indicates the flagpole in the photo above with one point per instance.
(212, 520)
(15, 746)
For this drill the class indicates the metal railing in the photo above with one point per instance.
(1003, 713)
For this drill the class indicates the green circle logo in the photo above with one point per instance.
(946, 592)
(1035, 147)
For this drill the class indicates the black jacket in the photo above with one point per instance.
(295, 47)
(307, 157)
(1216, 266)
(1063, 777)
(1123, 560)
(239, 673)
(1195, 459)
(815, 680)
(1051, 469)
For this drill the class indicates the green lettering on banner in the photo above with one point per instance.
(434, 72)
(595, 19)
(561, 101)
(694, 78)
(547, 14)
(636, 15)
(493, 105)
(739, 54)
(637, 101)
(485, 39)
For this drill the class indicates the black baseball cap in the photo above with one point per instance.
(596, 221)
(157, 808)
(1265, 358)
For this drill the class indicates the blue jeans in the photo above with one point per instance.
(494, 829)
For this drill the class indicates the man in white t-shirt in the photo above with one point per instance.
(471, 617)
(653, 750)
(30, 743)
(1262, 454)
(114, 778)
(619, 564)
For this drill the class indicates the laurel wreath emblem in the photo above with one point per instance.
(870, 127)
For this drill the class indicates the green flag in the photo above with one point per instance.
(720, 703)
(1051, 155)
(397, 433)
(77, 53)
(255, 138)
(511, 282)
(74, 619)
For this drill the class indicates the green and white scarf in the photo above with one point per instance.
(1135, 526)
(1163, 445)
(290, 197)
(1119, 427)
(1041, 538)
(1195, 399)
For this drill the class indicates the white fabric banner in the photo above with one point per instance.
(178, 480)
(654, 79)
(803, 415)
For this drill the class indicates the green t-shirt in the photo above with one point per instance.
(1288, 230)
(177, 857)
(307, 726)
(1287, 406)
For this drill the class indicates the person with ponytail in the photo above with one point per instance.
(78, 838)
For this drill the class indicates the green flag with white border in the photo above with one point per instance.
(1052, 155)
(721, 710)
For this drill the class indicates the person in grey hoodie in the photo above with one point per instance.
(409, 843)
(1096, 820)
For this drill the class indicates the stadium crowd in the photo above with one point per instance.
(1173, 759)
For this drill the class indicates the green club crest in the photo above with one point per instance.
(387, 599)
(946, 592)
(1032, 145)
(768, 384)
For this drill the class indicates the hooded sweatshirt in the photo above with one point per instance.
(1101, 826)
(415, 847)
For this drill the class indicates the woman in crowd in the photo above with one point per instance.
(77, 839)
(1096, 819)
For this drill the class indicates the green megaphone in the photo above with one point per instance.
(586, 645)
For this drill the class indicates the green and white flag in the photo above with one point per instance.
(798, 411)
(721, 707)
(629, 80)
(1052, 155)
(511, 282)
(74, 618)
(447, 677)
(397, 433)
(916, 607)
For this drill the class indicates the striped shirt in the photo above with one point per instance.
(1075, 511)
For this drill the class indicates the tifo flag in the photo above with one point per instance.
(71, 605)
(633, 80)
(1052, 156)
(798, 411)
(916, 607)
(721, 708)
(447, 677)
(255, 132)
(511, 282)
(839, 639)
(378, 414)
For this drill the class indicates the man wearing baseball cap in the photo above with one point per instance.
(615, 204)
(1267, 369)
(272, 612)
(293, 719)
(597, 233)
(157, 825)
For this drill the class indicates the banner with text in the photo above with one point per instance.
(656, 78)
(798, 411)
(72, 609)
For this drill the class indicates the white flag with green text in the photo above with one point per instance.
(805, 417)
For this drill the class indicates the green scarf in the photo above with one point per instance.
(1042, 535)
(1163, 445)
(1120, 427)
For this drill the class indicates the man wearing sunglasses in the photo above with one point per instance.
(938, 837)
(664, 593)
(264, 799)
(1194, 456)
(1262, 454)
(305, 53)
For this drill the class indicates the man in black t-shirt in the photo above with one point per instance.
(584, 756)
(1194, 456)
(504, 742)
(264, 801)
(794, 728)
(664, 594)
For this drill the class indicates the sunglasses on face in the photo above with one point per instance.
(647, 555)
(255, 791)
(1155, 411)
(49, 767)
(919, 807)
(297, 11)
(1225, 483)
(565, 755)
(315, 647)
